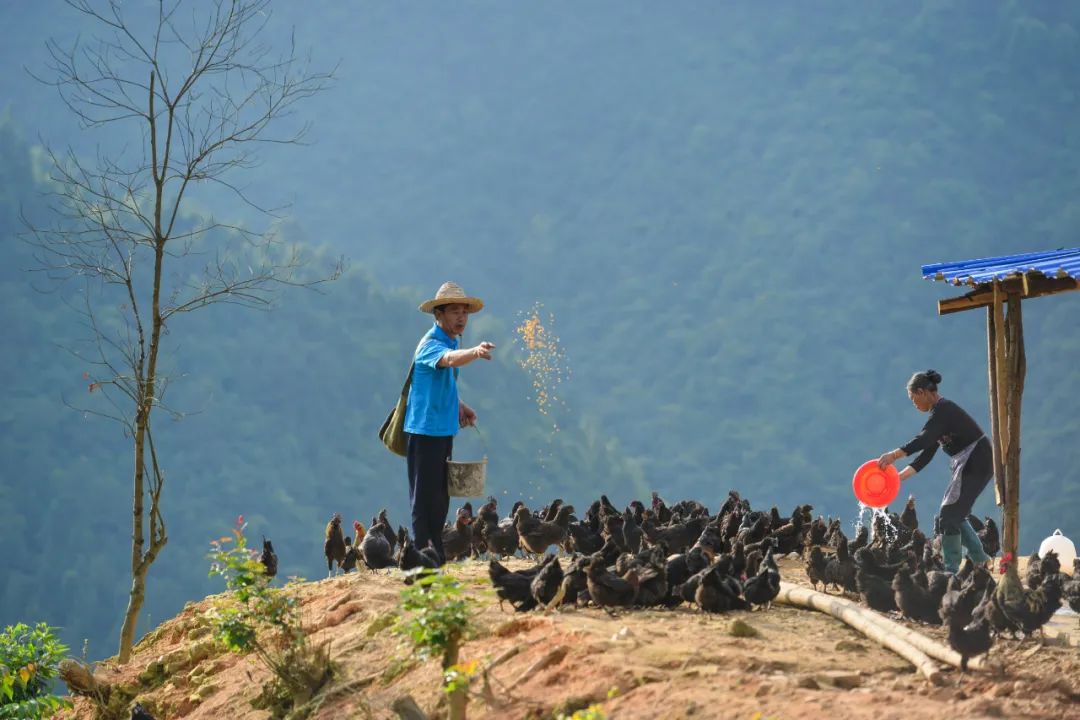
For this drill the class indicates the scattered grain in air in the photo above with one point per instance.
(543, 359)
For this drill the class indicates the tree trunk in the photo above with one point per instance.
(139, 568)
(140, 560)
(457, 698)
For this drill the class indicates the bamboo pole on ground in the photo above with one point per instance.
(842, 608)
(852, 615)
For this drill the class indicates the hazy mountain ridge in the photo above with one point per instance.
(724, 209)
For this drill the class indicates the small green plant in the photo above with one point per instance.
(439, 615)
(457, 678)
(593, 712)
(29, 658)
(265, 621)
(437, 623)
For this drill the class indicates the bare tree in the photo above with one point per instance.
(195, 97)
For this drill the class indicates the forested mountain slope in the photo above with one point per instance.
(725, 208)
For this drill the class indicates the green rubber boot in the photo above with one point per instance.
(951, 552)
(972, 544)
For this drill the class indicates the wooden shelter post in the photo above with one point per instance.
(1016, 370)
(999, 284)
(1007, 367)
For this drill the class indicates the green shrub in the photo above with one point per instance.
(265, 621)
(28, 661)
(438, 621)
(439, 615)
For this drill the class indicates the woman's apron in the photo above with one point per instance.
(956, 466)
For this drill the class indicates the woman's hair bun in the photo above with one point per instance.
(933, 376)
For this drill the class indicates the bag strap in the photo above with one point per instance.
(408, 380)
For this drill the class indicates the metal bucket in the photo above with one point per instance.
(466, 479)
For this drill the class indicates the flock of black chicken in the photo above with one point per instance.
(662, 556)
(896, 569)
(636, 557)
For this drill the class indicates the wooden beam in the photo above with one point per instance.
(1032, 285)
(1001, 370)
(995, 420)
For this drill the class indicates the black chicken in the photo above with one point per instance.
(755, 554)
(840, 569)
(515, 587)
(488, 513)
(651, 567)
(334, 545)
(501, 537)
(1034, 571)
(816, 564)
(1071, 589)
(536, 536)
(968, 634)
(676, 537)
(631, 533)
(862, 539)
(431, 554)
(1013, 608)
(875, 590)
(352, 556)
(546, 584)
(582, 539)
(719, 592)
(375, 551)
(762, 588)
(457, 539)
(915, 602)
(790, 536)
(575, 584)
(611, 531)
(738, 559)
(609, 590)
(138, 712)
(687, 591)
(909, 518)
(268, 559)
(660, 509)
(410, 558)
(548, 513)
(991, 540)
(1039, 569)
(607, 509)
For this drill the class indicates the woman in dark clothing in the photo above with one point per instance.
(971, 463)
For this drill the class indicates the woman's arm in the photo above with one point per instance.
(888, 458)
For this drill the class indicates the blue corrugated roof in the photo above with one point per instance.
(1052, 264)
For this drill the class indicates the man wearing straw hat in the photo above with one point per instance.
(434, 413)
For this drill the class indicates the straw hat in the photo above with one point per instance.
(451, 293)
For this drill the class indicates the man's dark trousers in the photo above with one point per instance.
(429, 496)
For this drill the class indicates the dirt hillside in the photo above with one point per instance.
(637, 664)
